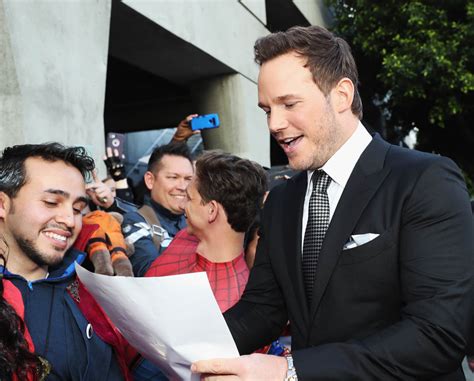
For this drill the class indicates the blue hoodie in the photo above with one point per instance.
(59, 330)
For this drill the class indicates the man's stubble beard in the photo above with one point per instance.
(28, 247)
(327, 148)
(32, 252)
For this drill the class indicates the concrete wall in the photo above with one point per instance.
(53, 77)
(243, 129)
(227, 31)
(222, 28)
(11, 114)
(257, 8)
(314, 10)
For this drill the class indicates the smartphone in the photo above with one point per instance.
(204, 121)
(116, 142)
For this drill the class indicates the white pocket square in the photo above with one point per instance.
(359, 240)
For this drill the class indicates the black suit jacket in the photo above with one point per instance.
(398, 307)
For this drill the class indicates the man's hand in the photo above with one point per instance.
(100, 193)
(252, 367)
(114, 164)
(184, 131)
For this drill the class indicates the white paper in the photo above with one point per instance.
(171, 320)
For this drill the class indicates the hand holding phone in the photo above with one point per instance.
(184, 131)
(114, 164)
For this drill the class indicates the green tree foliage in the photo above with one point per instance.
(416, 65)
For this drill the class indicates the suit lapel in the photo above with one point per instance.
(366, 178)
(293, 203)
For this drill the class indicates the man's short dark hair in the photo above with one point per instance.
(12, 162)
(329, 57)
(237, 184)
(173, 149)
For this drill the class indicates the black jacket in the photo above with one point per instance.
(399, 307)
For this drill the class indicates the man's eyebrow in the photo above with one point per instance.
(64, 194)
(171, 173)
(284, 98)
(280, 99)
(58, 192)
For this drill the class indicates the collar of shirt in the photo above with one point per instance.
(339, 168)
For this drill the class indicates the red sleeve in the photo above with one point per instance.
(13, 297)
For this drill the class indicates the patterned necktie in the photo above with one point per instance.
(318, 222)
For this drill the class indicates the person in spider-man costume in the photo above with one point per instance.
(224, 199)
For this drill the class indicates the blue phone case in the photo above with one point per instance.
(204, 121)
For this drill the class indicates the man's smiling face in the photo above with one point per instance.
(44, 219)
(169, 181)
(300, 117)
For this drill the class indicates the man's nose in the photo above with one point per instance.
(277, 121)
(66, 217)
(182, 184)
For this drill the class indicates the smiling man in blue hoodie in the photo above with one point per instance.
(42, 195)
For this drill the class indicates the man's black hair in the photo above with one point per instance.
(12, 162)
(173, 149)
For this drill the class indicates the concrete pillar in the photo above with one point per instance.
(10, 97)
(243, 129)
(315, 11)
(224, 29)
(257, 8)
(54, 71)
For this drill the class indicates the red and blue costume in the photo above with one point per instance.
(227, 279)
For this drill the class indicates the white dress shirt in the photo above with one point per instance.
(339, 168)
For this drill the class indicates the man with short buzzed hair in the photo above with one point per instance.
(150, 229)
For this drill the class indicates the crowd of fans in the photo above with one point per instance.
(195, 216)
(198, 215)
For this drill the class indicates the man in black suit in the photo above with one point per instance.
(391, 296)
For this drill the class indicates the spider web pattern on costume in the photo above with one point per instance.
(227, 280)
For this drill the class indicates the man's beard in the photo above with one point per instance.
(30, 250)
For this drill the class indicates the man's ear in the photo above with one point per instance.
(213, 211)
(343, 95)
(149, 179)
(5, 204)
